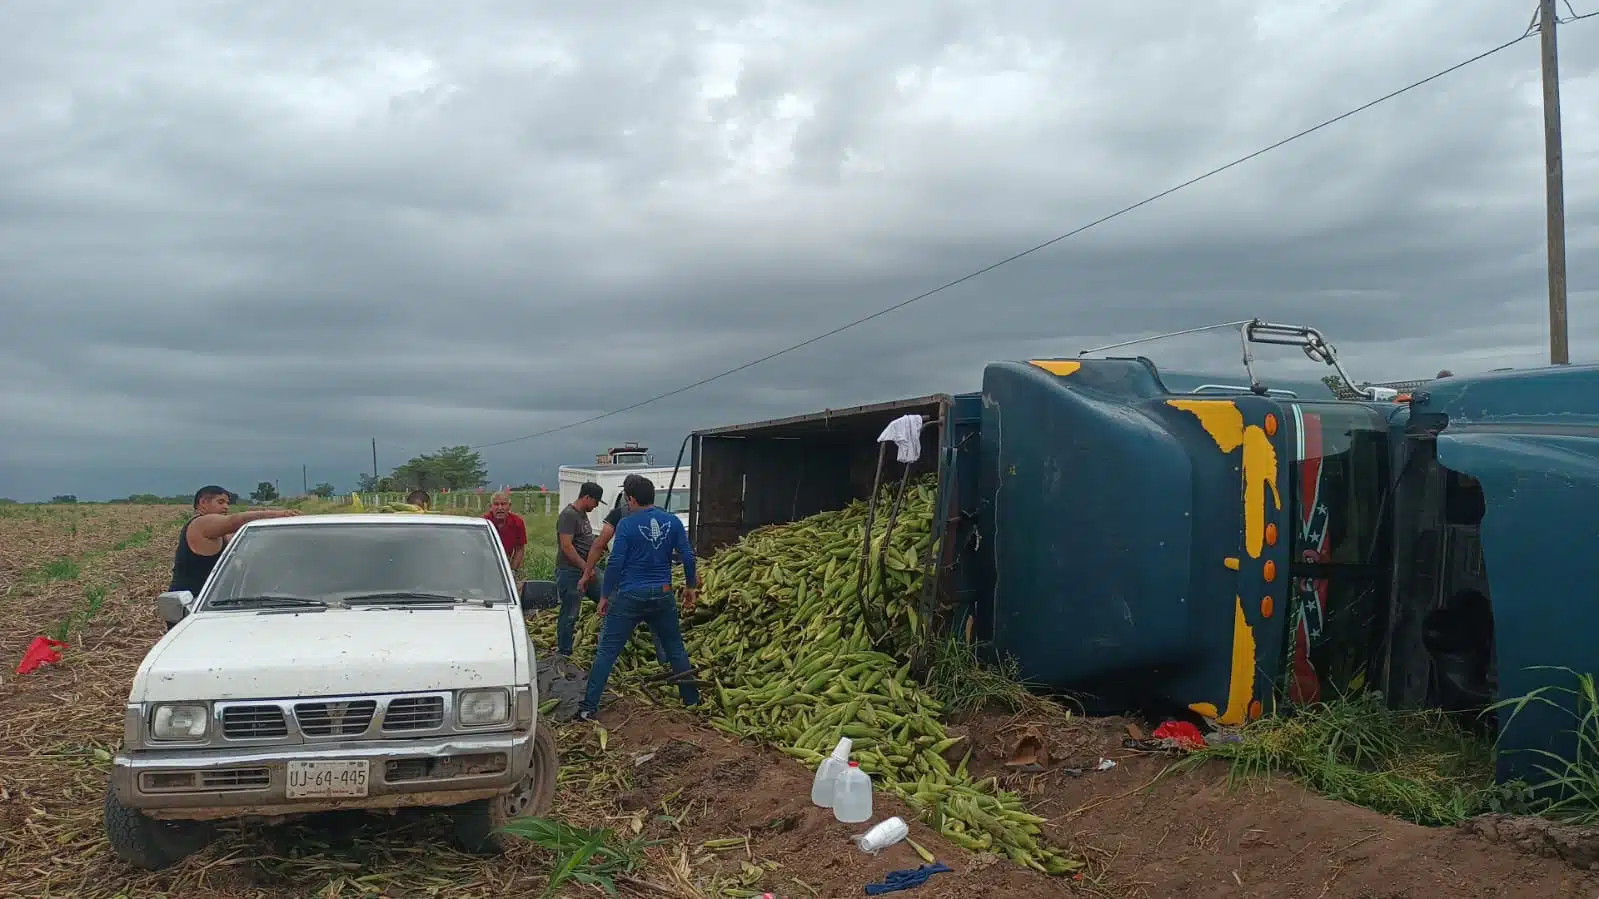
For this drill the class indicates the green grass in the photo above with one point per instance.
(1571, 785)
(1419, 766)
(966, 685)
(141, 537)
(587, 857)
(94, 595)
(538, 565)
(93, 599)
(62, 569)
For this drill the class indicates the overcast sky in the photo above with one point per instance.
(236, 237)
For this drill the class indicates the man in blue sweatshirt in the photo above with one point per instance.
(638, 589)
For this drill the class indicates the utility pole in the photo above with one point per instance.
(1554, 184)
(374, 458)
(305, 483)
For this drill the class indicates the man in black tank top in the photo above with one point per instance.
(201, 540)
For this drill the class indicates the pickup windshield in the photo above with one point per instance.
(331, 562)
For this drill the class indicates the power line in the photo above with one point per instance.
(1574, 17)
(1024, 253)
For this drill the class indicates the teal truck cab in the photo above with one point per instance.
(1185, 542)
(1229, 548)
(1498, 544)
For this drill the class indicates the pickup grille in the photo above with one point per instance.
(414, 713)
(236, 779)
(335, 719)
(254, 722)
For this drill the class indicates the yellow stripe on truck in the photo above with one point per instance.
(1061, 367)
(1224, 422)
(1260, 473)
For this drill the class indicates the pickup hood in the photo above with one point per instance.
(245, 655)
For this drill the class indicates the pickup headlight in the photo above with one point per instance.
(480, 708)
(180, 722)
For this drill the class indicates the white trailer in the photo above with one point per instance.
(611, 468)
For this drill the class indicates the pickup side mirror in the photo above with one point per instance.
(174, 605)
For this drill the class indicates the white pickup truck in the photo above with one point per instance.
(335, 662)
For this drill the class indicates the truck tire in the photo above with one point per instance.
(146, 843)
(477, 824)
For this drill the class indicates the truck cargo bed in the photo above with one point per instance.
(770, 472)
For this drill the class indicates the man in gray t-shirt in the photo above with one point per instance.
(574, 537)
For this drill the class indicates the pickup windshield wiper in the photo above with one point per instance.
(266, 600)
(400, 596)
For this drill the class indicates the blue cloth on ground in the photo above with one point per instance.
(904, 880)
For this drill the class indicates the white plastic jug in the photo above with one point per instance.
(883, 835)
(828, 771)
(852, 797)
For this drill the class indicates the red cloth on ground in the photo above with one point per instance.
(1182, 733)
(42, 651)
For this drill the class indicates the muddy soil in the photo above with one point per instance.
(729, 790)
(1155, 836)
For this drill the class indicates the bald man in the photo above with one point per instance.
(511, 527)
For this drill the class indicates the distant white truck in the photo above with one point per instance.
(612, 467)
(335, 662)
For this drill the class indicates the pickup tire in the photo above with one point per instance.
(146, 843)
(478, 824)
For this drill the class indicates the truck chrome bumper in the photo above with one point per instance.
(218, 784)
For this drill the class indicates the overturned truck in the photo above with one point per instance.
(1154, 539)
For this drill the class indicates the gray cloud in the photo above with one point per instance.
(241, 237)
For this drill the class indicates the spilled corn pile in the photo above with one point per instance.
(781, 629)
(400, 507)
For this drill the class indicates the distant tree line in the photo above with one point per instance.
(152, 499)
(450, 468)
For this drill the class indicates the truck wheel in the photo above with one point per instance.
(477, 824)
(144, 842)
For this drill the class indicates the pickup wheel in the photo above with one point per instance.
(144, 842)
(477, 824)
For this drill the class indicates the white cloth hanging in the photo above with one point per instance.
(905, 433)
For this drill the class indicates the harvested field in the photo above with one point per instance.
(661, 775)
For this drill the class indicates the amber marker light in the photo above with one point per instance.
(1269, 571)
(1271, 533)
(1266, 607)
(1271, 425)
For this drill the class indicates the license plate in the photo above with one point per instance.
(327, 780)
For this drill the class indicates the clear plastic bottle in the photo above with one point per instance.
(852, 798)
(827, 772)
(883, 835)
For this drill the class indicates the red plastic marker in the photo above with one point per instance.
(42, 651)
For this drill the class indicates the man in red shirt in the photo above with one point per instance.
(513, 530)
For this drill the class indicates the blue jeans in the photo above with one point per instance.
(655, 609)
(571, 599)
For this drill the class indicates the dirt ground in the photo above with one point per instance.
(1151, 834)
(663, 776)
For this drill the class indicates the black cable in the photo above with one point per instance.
(1024, 253)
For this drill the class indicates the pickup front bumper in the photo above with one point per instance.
(199, 785)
